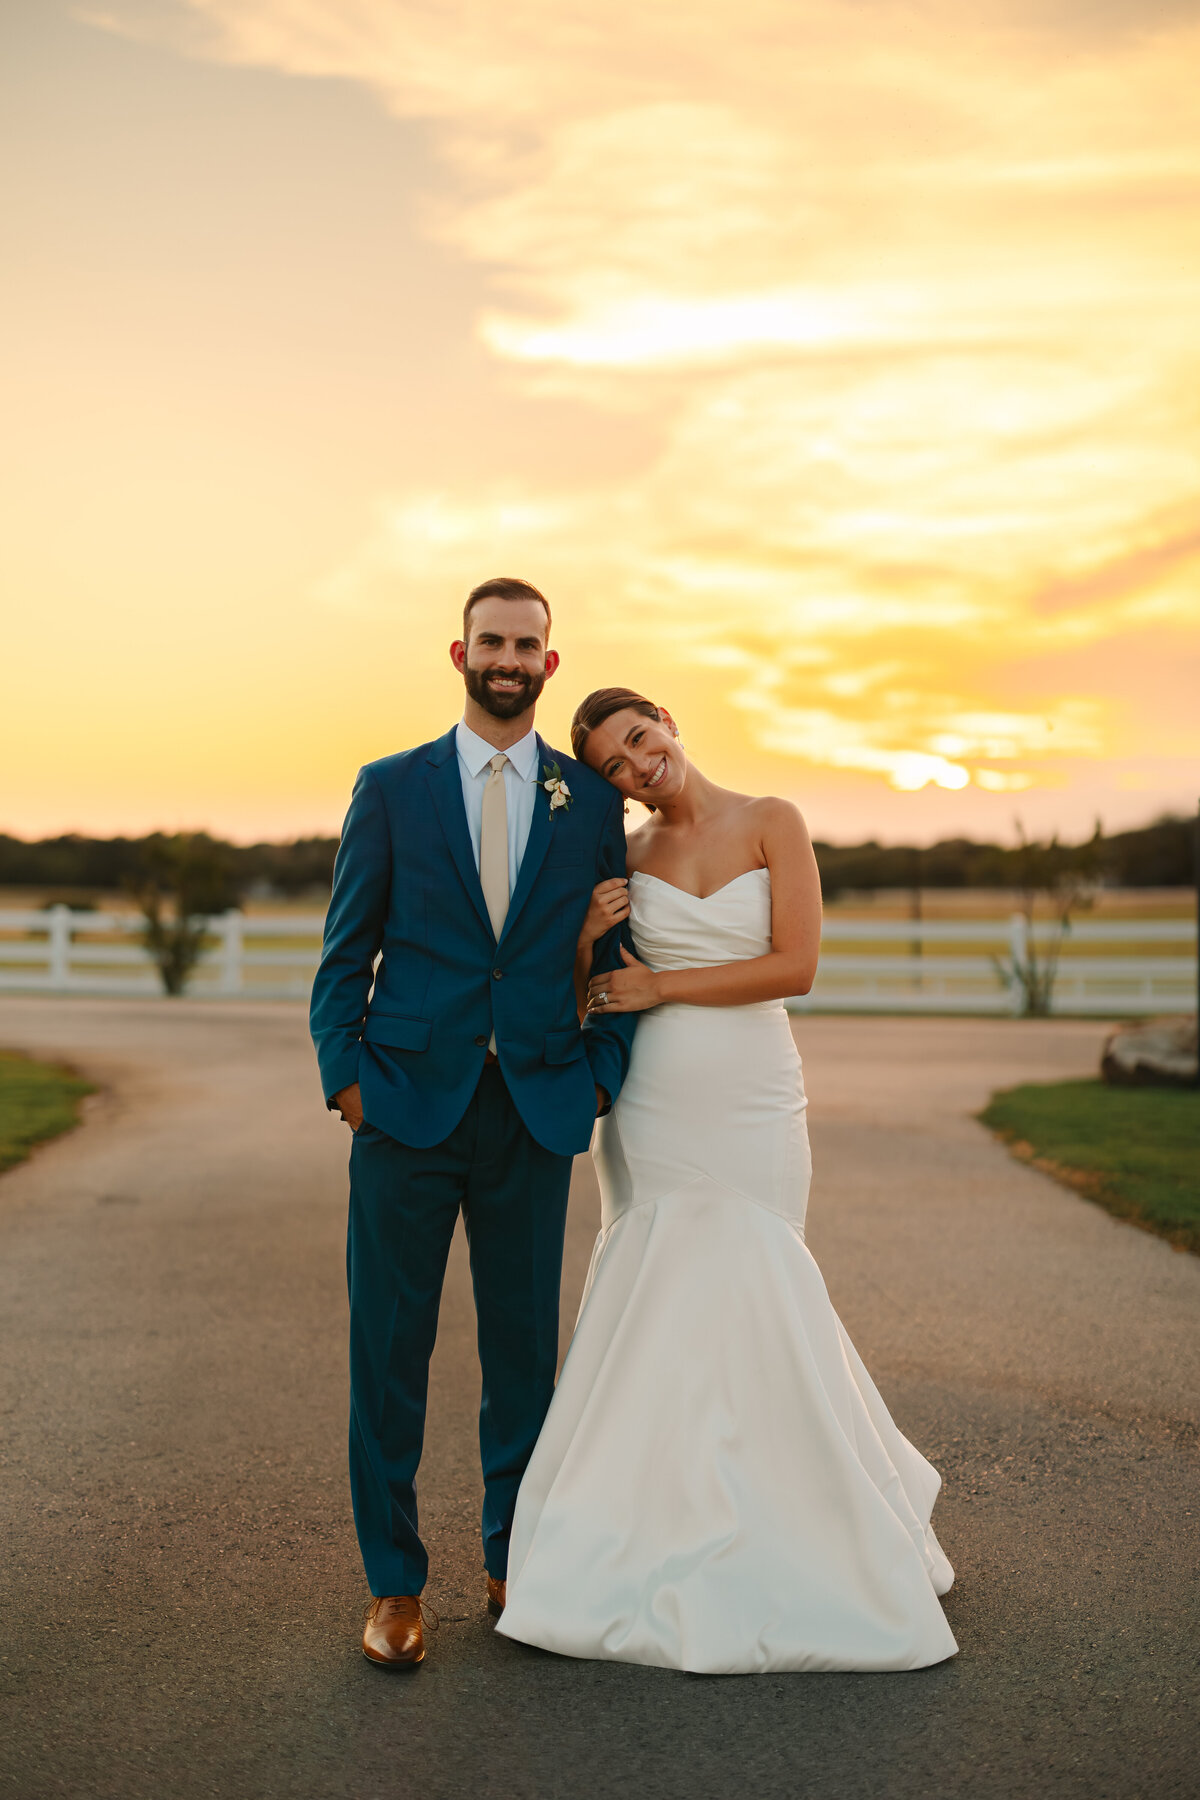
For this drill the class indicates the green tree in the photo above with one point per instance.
(1064, 877)
(181, 880)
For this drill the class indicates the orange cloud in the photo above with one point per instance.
(908, 299)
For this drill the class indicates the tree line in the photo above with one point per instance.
(90, 866)
(75, 868)
(1162, 854)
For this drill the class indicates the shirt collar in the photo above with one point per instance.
(476, 753)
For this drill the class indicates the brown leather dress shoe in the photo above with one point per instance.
(496, 1591)
(393, 1634)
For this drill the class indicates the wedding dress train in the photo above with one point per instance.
(718, 1486)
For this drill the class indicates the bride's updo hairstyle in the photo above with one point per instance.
(601, 705)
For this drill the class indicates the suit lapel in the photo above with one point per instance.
(445, 787)
(536, 845)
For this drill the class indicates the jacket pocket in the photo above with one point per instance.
(563, 1046)
(395, 1032)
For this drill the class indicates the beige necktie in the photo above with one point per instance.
(493, 851)
(493, 845)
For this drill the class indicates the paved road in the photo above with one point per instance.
(180, 1603)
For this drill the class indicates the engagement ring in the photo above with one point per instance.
(601, 999)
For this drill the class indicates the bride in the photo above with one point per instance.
(718, 1486)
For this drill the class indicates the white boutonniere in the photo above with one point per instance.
(556, 787)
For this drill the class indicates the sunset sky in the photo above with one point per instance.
(833, 365)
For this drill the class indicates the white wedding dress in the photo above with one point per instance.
(718, 1486)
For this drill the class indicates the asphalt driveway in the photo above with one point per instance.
(180, 1598)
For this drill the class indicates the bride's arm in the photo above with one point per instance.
(789, 967)
(609, 905)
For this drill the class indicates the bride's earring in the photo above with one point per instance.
(625, 807)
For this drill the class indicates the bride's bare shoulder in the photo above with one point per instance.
(770, 813)
(637, 846)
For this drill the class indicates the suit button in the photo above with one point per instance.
(497, 974)
(481, 1041)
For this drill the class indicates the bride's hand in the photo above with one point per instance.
(631, 989)
(608, 906)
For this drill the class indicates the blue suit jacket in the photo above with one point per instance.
(405, 883)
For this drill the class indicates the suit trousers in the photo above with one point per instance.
(404, 1204)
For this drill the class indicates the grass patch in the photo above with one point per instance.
(1135, 1151)
(37, 1102)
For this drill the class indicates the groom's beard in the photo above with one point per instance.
(503, 703)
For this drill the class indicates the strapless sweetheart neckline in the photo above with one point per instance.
(688, 892)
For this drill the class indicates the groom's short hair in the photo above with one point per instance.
(503, 587)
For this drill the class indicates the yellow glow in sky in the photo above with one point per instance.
(833, 367)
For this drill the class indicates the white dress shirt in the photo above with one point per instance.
(520, 789)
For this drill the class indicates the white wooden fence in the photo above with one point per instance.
(1096, 974)
(65, 952)
(867, 965)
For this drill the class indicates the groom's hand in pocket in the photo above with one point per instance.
(349, 1104)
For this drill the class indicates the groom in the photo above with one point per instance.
(465, 1076)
